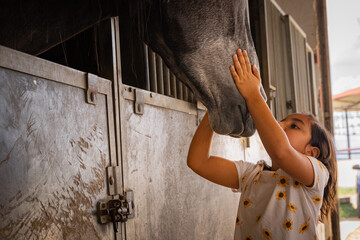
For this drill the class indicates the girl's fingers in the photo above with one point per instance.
(241, 60)
(247, 62)
(234, 74)
(256, 72)
(237, 65)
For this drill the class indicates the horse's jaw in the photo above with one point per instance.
(212, 84)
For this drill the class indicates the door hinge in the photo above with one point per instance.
(92, 88)
(139, 102)
(116, 210)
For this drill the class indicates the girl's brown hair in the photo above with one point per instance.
(323, 140)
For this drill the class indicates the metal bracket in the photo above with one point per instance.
(139, 102)
(92, 88)
(289, 104)
(116, 210)
(114, 177)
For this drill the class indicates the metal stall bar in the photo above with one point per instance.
(147, 73)
(173, 85)
(160, 79)
(179, 90)
(152, 70)
(159, 74)
(166, 73)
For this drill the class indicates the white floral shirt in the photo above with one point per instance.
(275, 206)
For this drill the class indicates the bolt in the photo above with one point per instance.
(92, 96)
(111, 180)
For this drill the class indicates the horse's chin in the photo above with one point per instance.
(232, 123)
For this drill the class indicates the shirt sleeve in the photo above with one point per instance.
(244, 170)
(321, 175)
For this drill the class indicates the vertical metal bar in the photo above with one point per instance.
(173, 85)
(179, 89)
(347, 133)
(166, 72)
(147, 74)
(152, 68)
(192, 97)
(186, 93)
(159, 74)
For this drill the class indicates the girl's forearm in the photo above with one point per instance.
(269, 130)
(200, 145)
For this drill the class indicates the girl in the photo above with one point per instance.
(282, 201)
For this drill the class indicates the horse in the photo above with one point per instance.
(196, 40)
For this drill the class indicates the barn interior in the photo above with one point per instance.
(101, 38)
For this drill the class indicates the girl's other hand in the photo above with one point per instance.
(246, 80)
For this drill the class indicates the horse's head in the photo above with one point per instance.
(197, 40)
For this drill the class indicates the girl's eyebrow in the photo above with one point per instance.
(298, 120)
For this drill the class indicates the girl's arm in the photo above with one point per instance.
(214, 169)
(274, 139)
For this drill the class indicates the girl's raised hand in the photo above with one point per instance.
(247, 82)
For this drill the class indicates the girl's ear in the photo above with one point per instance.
(312, 151)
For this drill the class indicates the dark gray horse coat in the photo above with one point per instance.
(195, 38)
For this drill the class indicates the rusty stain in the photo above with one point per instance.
(81, 161)
(8, 155)
(72, 142)
(6, 158)
(29, 129)
(65, 214)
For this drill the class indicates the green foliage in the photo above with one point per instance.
(347, 211)
(344, 191)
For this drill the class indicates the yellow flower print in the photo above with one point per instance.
(248, 238)
(237, 221)
(292, 208)
(266, 233)
(304, 227)
(257, 174)
(256, 181)
(247, 202)
(321, 166)
(316, 200)
(243, 178)
(318, 179)
(258, 218)
(296, 184)
(280, 195)
(275, 175)
(288, 224)
(259, 165)
(283, 181)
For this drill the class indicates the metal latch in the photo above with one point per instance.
(116, 210)
(139, 102)
(92, 88)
